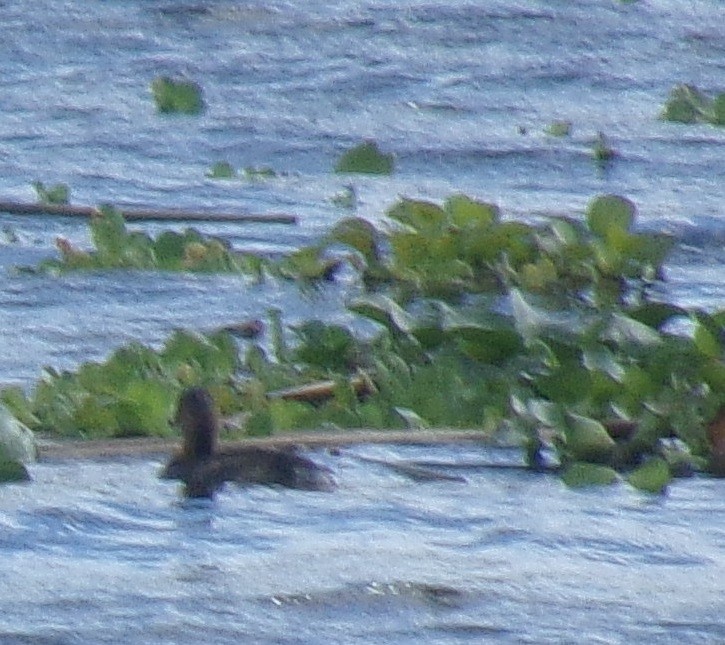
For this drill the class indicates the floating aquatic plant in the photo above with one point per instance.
(222, 170)
(547, 330)
(115, 247)
(687, 104)
(602, 150)
(177, 96)
(55, 194)
(365, 158)
(558, 129)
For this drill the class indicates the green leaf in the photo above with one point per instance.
(365, 158)
(625, 331)
(686, 104)
(177, 96)
(18, 404)
(13, 471)
(169, 250)
(656, 314)
(331, 347)
(581, 474)
(358, 234)
(385, 311)
(145, 408)
(56, 194)
(425, 218)
(558, 129)
(412, 419)
(222, 170)
(466, 213)
(652, 477)
(707, 342)
(587, 440)
(609, 213)
(601, 359)
(718, 108)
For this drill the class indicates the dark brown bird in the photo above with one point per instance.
(204, 468)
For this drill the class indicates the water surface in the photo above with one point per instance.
(461, 92)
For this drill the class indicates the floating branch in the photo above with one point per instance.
(66, 210)
(148, 446)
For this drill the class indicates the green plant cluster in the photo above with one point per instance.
(465, 247)
(224, 170)
(56, 194)
(177, 96)
(366, 158)
(687, 104)
(133, 392)
(115, 247)
(545, 330)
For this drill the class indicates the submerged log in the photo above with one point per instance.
(149, 446)
(130, 214)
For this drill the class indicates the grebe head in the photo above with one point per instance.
(197, 417)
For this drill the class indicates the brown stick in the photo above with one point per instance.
(67, 210)
(148, 446)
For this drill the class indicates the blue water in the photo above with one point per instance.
(461, 92)
(102, 552)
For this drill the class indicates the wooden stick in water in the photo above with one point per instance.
(130, 214)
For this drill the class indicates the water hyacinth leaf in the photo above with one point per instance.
(108, 232)
(17, 442)
(565, 231)
(222, 170)
(287, 415)
(652, 477)
(424, 217)
(587, 439)
(531, 321)
(582, 474)
(169, 250)
(331, 347)
(385, 311)
(365, 158)
(94, 417)
(707, 342)
(558, 129)
(601, 359)
(465, 212)
(177, 96)
(651, 250)
(56, 194)
(411, 419)
(602, 150)
(259, 424)
(19, 405)
(489, 345)
(546, 413)
(216, 356)
(625, 331)
(713, 373)
(718, 109)
(608, 213)
(686, 104)
(539, 275)
(12, 470)
(259, 172)
(358, 234)
(309, 263)
(656, 314)
(145, 408)
(569, 383)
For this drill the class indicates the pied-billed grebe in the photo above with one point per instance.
(204, 468)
